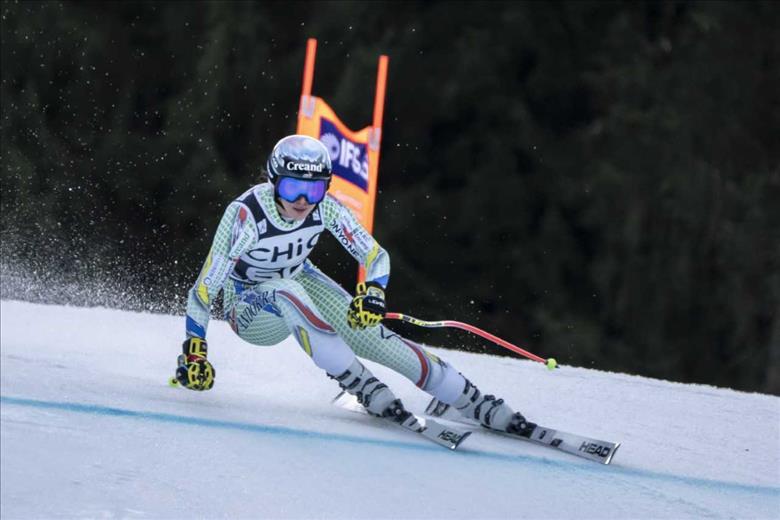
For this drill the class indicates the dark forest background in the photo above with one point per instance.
(596, 181)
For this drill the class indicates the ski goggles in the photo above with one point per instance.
(292, 189)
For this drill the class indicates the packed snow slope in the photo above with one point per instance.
(90, 428)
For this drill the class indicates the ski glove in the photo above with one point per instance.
(368, 306)
(194, 370)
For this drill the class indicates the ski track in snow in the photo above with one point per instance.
(89, 428)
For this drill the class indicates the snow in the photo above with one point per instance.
(89, 428)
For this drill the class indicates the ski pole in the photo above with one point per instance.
(550, 363)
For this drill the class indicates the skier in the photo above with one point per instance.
(259, 259)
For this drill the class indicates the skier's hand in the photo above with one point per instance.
(368, 306)
(195, 371)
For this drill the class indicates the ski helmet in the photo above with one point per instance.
(300, 157)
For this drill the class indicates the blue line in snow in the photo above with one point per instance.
(604, 471)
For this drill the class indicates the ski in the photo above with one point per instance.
(434, 431)
(586, 447)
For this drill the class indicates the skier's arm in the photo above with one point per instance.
(234, 236)
(353, 237)
(368, 307)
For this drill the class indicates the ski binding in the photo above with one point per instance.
(586, 447)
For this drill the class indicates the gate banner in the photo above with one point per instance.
(354, 159)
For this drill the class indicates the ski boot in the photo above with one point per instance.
(492, 413)
(375, 396)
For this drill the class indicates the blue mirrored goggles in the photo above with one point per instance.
(292, 189)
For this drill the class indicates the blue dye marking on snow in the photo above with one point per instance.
(599, 470)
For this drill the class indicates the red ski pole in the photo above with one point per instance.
(550, 363)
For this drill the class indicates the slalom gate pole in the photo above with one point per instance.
(550, 363)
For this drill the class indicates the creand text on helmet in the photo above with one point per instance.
(303, 167)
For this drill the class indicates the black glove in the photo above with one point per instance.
(368, 306)
(194, 370)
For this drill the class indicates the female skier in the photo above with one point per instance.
(259, 259)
